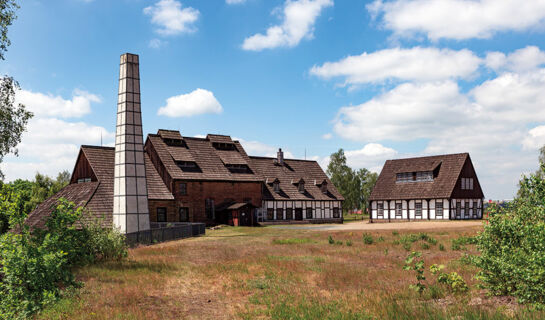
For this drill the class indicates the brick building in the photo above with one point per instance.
(172, 179)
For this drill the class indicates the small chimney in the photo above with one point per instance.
(280, 157)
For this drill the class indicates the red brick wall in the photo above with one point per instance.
(172, 211)
(199, 191)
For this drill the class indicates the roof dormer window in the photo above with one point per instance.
(323, 187)
(276, 185)
(301, 185)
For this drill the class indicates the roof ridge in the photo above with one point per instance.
(431, 156)
(95, 147)
(274, 158)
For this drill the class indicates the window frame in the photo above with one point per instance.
(399, 209)
(336, 212)
(270, 214)
(183, 190)
(209, 209)
(289, 213)
(158, 214)
(380, 209)
(439, 207)
(458, 209)
(280, 211)
(418, 211)
(308, 209)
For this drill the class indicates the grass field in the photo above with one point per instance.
(270, 273)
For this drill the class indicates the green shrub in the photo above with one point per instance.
(339, 242)
(425, 246)
(349, 243)
(36, 265)
(380, 239)
(415, 262)
(395, 233)
(407, 246)
(330, 240)
(454, 282)
(512, 245)
(367, 238)
(441, 247)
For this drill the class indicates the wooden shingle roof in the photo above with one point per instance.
(211, 161)
(289, 175)
(447, 169)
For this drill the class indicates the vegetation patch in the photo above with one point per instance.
(293, 241)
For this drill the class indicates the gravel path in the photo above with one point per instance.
(365, 225)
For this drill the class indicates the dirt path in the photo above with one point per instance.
(365, 225)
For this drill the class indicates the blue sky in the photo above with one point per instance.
(380, 79)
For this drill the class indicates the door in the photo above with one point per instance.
(298, 213)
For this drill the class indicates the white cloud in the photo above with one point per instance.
(535, 138)
(50, 144)
(521, 60)
(458, 19)
(197, 102)
(256, 148)
(49, 105)
(372, 156)
(235, 1)
(298, 23)
(418, 64)
(171, 19)
(156, 43)
(490, 121)
(327, 136)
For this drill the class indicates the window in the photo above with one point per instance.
(418, 209)
(323, 187)
(224, 146)
(175, 142)
(309, 213)
(188, 166)
(270, 214)
(82, 180)
(279, 214)
(380, 209)
(183, 188)
(335, 213)
(466, 209)
(276, 186)
(467, 184)
(417, 176)
(458, 208)
(475, 209)
(289, 214)
(209, 209)
(439, 208)
(399, 208)
(161, 214)
(301, 187)
(238, 168)
(184, 214)
(424, 176)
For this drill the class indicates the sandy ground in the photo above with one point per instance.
(365, 225)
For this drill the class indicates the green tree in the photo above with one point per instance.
(367, 180)
(355, 186)
(13, 117)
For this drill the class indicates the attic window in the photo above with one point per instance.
(82, 180)
(323, 187)
(188, 166)
(276, 186)
(467, 183)
(238, 168)
(301, 186)
(418, 176)
(175, 142)
(224, 146)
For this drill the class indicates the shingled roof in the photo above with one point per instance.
(447, 169)
(211, 161)
(97, 196)
(289, 175)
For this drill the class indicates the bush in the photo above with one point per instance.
(330, 240)
(367, 238)
(349, 243)
(512, 245)
(37, 264)
(441, 247)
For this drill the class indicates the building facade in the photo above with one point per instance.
(443, 187)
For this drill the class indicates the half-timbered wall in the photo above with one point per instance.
(409, 209)
(320, 209)
(461, 209)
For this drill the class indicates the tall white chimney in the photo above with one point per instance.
(131, 212)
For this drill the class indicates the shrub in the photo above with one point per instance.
(395, 233)
(37, 264)
(512, 245)
(415, 262)
(339, 242)
(349, 243)
(330, 240)
(367, 238)
(454, 282)
(425, 246)
(380, 239)
(441, 247)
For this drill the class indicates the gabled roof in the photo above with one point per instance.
(211, 161)
(289, 175)
(97, 196)
(446, 169)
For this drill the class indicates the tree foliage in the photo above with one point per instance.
(512, 245)
(355, 186)
(35, 266)
(7, 16)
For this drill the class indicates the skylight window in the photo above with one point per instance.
(418, 176)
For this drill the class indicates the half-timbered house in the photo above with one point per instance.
(439, 187)
(296, 190)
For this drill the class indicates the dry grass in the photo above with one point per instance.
(263, 273)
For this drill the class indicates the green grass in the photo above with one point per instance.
(293, 241)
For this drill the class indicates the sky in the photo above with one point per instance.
(381, 79)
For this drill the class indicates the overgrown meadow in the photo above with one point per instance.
(274, 273)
